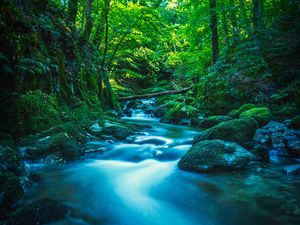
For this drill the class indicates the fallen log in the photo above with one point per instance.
(152, 95)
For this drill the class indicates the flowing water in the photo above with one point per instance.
(139, 184)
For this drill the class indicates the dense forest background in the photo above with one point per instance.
(69, 60)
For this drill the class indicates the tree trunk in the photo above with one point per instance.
(225, 26)
(72, 10)
(89, 21)
(245, 18)
(214, 30)
(258, 16)
(234, 20)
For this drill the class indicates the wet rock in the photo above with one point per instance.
(293, 169)
(277, 137)
(213, 121)
(294, 147)
(215, 155)
(11, 190)
(118, 132)
(261, 152)
(60, 144)
(240, 131)
(95, 127)
(11, 160)
(42, 211)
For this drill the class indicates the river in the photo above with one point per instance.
(139, 183)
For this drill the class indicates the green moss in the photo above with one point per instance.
(261, 115)
(295, 123)
(60, 144)
(10, 160)
(237, 112)
(179, 112)
(11, 190)
(36, 111)
(212, 121)
(212, 155)
(240, 131)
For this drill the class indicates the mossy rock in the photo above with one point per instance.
(240, 131)
(11, 160)
(36, 111)
(261, 115)
(213, 121)
(237, 112)
(295, 123)
(120, 133)
(215, 155)
(11, 190)
(42, 211)
(179, 112)
(59, 144)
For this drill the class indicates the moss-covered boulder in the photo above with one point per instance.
(120, 133)
(261, 115)
(237, 112)
(36, 111)
(10, 160)
(60, 144)
(42, 211)
(11, 190)
(213, 121)
(240, 131)
(215, 155)
(179, 112)
(295, 123)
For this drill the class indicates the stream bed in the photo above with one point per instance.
(139, 183)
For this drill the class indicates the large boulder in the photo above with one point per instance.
(213, 121)
(237, 112)
(240, 131)
(262, 115)
(215, 155)
(11, 190)
(60, 144)
(43, 211)
(120, 133)
(10, 160)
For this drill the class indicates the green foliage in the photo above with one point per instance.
(36, 111)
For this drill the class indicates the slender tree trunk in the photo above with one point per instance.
(258, 16)
(245, 18)
(225, 26)
(72, 10)
(214, 30)
(89, 21)
(234, 20)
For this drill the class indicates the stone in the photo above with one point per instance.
(261, 115)
(42, 211)
(240, 131)
(215, 155)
